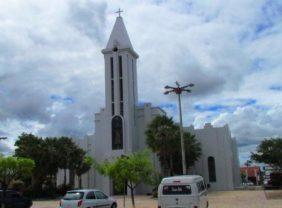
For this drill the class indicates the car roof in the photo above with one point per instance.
(83, 190)
(182, 179)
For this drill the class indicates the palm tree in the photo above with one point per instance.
(82, 168)
(163, 138)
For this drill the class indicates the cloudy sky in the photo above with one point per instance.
(52, 70)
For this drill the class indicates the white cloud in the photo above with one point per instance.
(230, 50)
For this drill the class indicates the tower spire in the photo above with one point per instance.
(119, 36)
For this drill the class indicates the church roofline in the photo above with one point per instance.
(108, 51)
(206, 127)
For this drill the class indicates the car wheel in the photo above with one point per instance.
(114, 205)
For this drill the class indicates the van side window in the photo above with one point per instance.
(177, 190)
(201, 186)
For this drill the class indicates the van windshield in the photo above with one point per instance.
(73, 195)
(177, 190)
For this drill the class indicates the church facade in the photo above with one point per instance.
(120, 126)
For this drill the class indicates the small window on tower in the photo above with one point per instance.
(113, 90)
(121, 89)
(112, 67)
(113, 108)
(120, 66)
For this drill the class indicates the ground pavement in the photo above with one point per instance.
(222, 199)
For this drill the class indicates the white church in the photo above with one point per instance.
(120, 126)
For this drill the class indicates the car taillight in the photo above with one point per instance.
(79, 203)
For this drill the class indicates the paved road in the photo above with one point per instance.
(227, 199)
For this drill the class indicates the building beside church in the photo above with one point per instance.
(120, 126)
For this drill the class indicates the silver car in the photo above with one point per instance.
(87, 198)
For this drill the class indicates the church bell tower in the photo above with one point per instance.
(121, 88)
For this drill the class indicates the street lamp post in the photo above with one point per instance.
(178, 90)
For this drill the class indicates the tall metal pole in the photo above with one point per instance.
(182, 137)
(178, 90)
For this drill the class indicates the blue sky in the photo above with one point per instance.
(52, 70)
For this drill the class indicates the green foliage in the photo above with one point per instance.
(131, 169)
(13, 168)
(276, 179)
(62, 189)
(83, 167)
(243, 177)
(163, 138)
(156, 180)
(50, 155)
(269, 152)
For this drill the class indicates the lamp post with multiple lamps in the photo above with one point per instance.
(178, 90)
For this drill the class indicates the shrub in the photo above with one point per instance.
(62, 189)
(17, 185)
(276, 179)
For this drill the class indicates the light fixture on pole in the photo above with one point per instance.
(178, 90)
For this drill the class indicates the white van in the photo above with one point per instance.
(183, 192)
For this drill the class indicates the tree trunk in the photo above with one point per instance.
(4, 189)
(132, 196)
(124, 193)
(171, 166)
(79, 181)
(72, 177)
(37, 182)
(65, 176)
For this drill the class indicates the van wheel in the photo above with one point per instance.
(114, 205)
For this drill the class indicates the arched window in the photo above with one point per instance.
(117, 133)
(211, 168)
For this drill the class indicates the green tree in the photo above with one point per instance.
(50, 155)
(13, 168)
(163, 138)
(30, 146)
(71, 156)
(82, 168)
(243, 177)
(131, 170)
(269, 151)
(192, 151)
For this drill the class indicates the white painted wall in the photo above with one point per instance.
(217, 142)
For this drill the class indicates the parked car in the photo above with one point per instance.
(87, 198)
(14, 200)
(183, 191)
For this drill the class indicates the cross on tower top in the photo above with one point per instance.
(119, 11)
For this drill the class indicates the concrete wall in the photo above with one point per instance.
(216, 142)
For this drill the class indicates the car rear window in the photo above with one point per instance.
(75, 195)
(177, 190)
